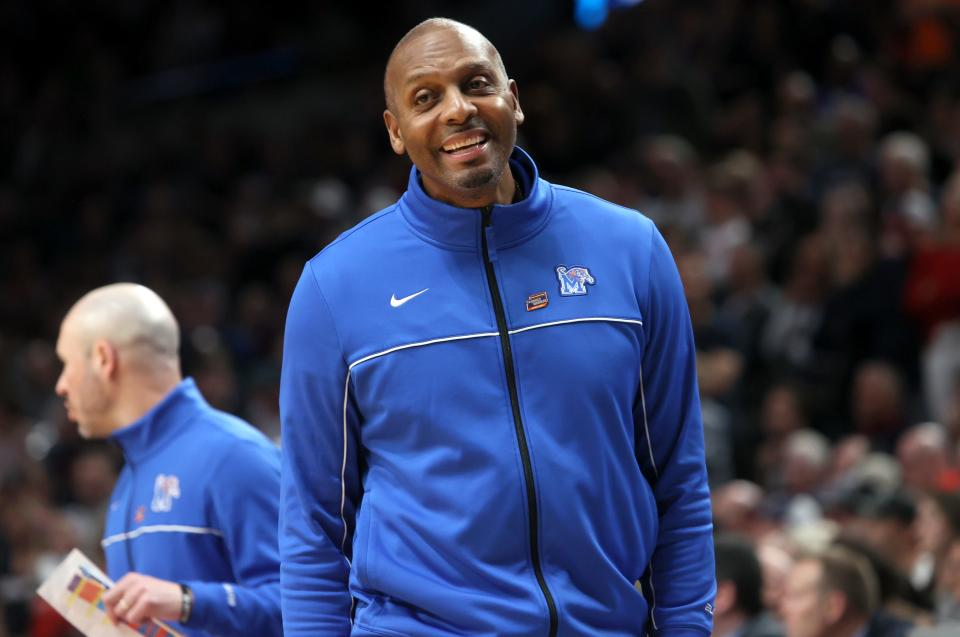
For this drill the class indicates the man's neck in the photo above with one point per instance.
(140, 396)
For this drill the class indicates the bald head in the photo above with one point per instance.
(129, 316)
(119, 347)
(431, 25)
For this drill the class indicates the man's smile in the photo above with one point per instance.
(466, 146)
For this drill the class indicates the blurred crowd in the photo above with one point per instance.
(802, 157)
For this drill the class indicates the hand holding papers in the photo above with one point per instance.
(75, 589)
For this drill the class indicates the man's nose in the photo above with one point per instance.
(458, 108)
(61, 386)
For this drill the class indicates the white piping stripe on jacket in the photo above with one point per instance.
(656, 472)
(646, 428)
(159, 528)
(446, 339)
(653, 599)
(343, 467)
(420, 344)
(590, 319)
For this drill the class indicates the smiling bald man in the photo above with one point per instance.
(191, 531)
(489, 403)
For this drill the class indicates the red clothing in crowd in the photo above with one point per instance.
(933, 287)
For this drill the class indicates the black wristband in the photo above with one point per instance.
(186, 603)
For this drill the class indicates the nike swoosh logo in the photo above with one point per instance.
(395, 302)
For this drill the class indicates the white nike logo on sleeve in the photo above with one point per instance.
(395, 302)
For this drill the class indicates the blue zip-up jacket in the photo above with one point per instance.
(196, 503)
(494, 430)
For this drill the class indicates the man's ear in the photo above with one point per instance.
(517, 111)
(393, 130)
(835, 606)
(103, 358)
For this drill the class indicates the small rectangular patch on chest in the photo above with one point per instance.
(537, 301)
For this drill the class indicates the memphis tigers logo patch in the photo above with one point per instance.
(574, 280)
(165, 489)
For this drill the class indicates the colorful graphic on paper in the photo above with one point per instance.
(75, 589)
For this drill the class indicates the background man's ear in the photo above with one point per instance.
(393, 130)
(104, 358)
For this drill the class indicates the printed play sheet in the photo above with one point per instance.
(75, 589)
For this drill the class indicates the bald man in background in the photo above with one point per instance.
(191, 533)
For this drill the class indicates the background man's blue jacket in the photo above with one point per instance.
(197, 503)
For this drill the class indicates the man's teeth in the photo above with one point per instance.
(463, 144)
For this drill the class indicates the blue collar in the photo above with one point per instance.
(459, 228)
(146, 435)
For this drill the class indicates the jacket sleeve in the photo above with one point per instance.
(320, 484)
(244, 507)
(679, 583)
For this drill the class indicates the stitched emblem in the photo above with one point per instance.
(574, 281)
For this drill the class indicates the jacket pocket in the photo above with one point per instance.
(362, 557)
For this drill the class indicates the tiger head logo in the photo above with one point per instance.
(165, 490)
(574, 281)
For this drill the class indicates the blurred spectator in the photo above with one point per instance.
(738, 509)
(713, 332)
(862, 318)
(776, 563)
(925, 457)
(933, 298)
(729, 204)
(782, 414)
(749, 297)
(739, 610)
(878, 404)
(788, 335)
(937, 528)
(848, 455)
(747, 305)
(806, 457)
(896, 609)
(907, 210)
(884, 521)
(671, 187)
(850, 128)
(719, 365)
(949, 589)
(830, 595)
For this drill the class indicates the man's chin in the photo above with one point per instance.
(474, 178)
(92, 431)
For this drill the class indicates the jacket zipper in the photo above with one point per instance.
(517, 422)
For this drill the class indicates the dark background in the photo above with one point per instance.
(208, 149)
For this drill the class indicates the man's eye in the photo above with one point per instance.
(421, 98)
(478, 83)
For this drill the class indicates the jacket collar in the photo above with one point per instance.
(143, 437)
(459, 228)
